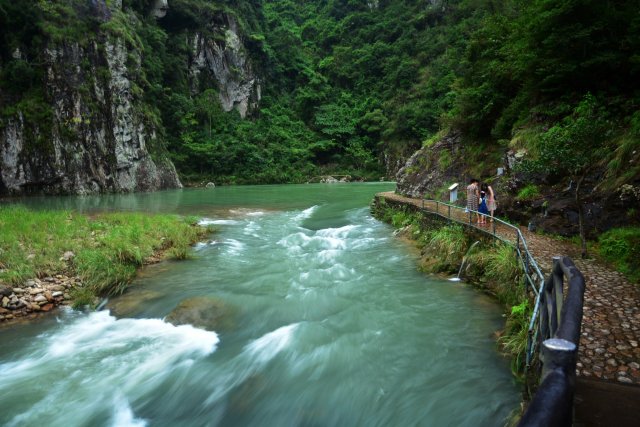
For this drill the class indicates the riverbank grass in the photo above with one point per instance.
(104, 250)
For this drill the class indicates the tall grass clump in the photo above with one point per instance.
(529, 192)
(447, 246)
(108, 248)
(514, 339)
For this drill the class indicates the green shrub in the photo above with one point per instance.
(529, 192)
(621, 246)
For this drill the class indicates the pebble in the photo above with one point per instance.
(36, 296)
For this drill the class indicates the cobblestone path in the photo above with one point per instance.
(609, 347)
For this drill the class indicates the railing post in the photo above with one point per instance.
(470, 216)
(558, 277)
(494, 227)
(449, 212)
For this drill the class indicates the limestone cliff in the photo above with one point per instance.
(226, 60)
(94, 136)
(92, 129)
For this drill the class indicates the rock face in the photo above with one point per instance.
(432, 168)
(92, 131)
(160, 8)
(226, 60)
(95, 137)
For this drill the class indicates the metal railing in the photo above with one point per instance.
(511, 235)
(559, 327)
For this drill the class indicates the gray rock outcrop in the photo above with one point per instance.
(227, 61)
(92, 134)
(431, 168)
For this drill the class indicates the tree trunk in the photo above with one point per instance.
(583, 237)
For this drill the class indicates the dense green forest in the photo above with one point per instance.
(353, 86)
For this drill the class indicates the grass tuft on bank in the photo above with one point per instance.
(107, 249)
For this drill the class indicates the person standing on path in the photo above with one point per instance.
(473, 196)
(482, 207)
(491, 198)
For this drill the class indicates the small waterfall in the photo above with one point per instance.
(102, 304)
(464, 260)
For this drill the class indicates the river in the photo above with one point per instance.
(327, 323)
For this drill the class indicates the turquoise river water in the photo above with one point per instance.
(328, 323)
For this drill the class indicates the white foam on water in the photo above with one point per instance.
(123, 415)
(91, 358)
(209, 221)
(269, 345)
(201, 245)
(364, 243)
(341, 232)
(253, 228)
(329, 255)
(235, 247)
(305, 214)
(294, 243)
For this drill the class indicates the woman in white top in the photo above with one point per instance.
(491, 199)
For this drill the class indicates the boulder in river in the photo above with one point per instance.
(207, 313)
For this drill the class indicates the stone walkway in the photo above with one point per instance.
(609, 347)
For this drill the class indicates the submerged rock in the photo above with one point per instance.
(132, 302)
(208, 313)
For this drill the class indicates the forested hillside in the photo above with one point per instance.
(337, 86)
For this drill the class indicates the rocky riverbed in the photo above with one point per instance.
(36, 296)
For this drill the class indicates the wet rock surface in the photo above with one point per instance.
(208, 313)
(610, 343)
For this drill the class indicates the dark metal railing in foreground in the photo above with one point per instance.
(559, 327)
